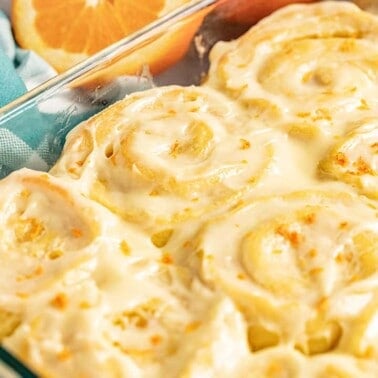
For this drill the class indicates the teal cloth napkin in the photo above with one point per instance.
(35, 138)
(23, 139)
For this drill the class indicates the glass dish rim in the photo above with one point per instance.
(50, 87)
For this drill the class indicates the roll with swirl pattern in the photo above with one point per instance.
(170, 154)
(292, 263)
(309, 69)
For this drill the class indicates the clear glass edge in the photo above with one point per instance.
(14, 365)
(53, 85)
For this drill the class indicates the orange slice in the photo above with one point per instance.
(67, 32)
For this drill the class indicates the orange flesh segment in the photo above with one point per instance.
(77, 27)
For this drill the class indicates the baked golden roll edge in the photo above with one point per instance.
(354, 158)
(171, 154)
(292, 263)
(310, 69)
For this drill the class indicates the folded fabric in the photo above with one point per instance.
(10, 83)
(22, 138)
(34, 138)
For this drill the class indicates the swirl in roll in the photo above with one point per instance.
(307, 68)
(292, 263)
(354, 159)
(49, 231)
(145, 320)
(45, 231)
(170, 154)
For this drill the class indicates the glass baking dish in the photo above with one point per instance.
(69, 98)
(87, 89)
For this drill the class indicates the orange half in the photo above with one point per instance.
(66, 32)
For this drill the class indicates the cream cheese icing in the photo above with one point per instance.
(224, 230)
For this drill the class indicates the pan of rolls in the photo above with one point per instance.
(228, 229)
